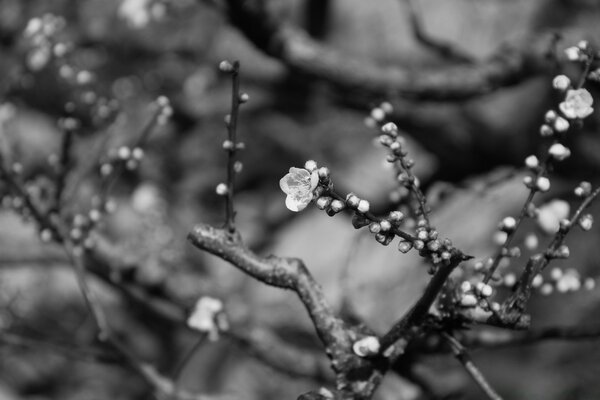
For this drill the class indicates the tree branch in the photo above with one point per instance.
(461, 354)
(510, 65)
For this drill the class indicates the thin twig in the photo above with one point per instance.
(405, 328)
(64, 165)
(497, 339)
(233, 148)
(461, 354)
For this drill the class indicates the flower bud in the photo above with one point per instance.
(561, 82)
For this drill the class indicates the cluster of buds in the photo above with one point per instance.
(560, 281)
(379, 115)
(41, 33)
(165, 111)
(139, 13)
(124, 155)
(581, 52)
(474, 294)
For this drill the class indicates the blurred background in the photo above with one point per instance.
(109, 61)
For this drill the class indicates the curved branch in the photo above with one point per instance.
(510, 65)
(285, 273)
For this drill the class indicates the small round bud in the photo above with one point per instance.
(162, 101)
(546, 289)
(390, 128)
(423, 235)
(378, 114)
(537, 281)
(46, 235)
(323, 202)
(124, 152)
(131, 165)
(238, 166)
(559, 152)
(337, 206)
(310, 165)
(222, 189)
(542, 184)
(586, 221)
(419, 244)
(550, 116)
(573, 53)
(137, 153)
(589, 284)
(324, 173)
(384, 238)
(508, 224)
(396, 216)
(484, 289)
(500, 237)
(562, 252)
(17, 168)
(244, 98)
(556, 273)
(385, 225)
(94, 215)
(386, 107)
(228, 145)
(532, 162)
(584, 189)
(363, 206)
(106, 169)
(434, 245)
(365, 347)
(561, 82)
(466, 286)
(546, 130)
(227, 119)
(370, 122)
(468, 300)
(531, 241)
(352, 200)
(374, 227)
(404, 246)
(225, 66)
(510, 280)
(561, 124)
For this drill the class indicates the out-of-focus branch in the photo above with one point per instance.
(460, 352)
(405, 328)
(510, 65)
(497, 339)
(443, 48)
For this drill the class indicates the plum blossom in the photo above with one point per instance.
(577, 104)
(299, 185)
(550, 215)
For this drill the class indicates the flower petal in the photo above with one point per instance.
(292, 204)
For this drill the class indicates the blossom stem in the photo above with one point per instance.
(231, 151)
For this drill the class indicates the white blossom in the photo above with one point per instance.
(550, 215)
(299, 185)
(577, 104)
